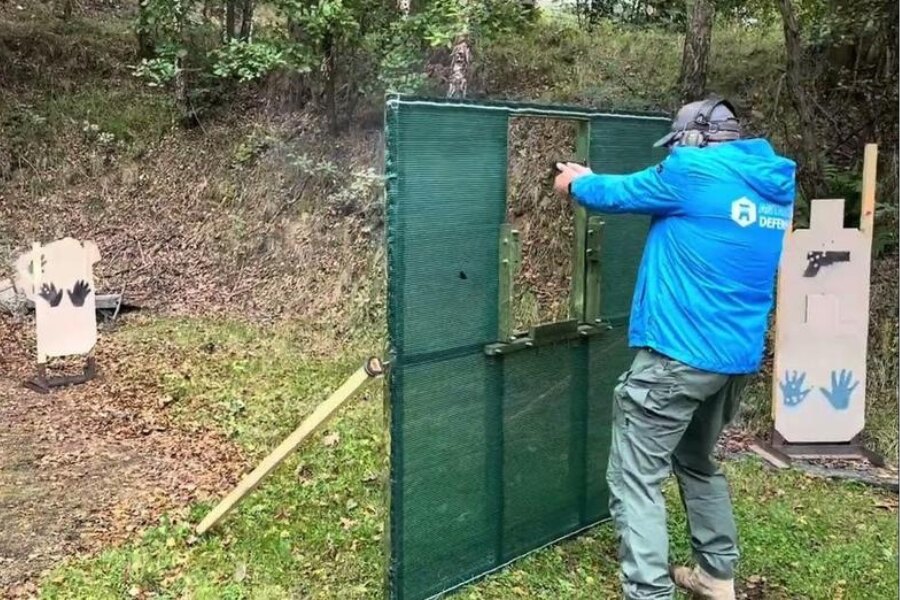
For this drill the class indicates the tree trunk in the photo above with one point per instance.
(180, 83)
(229, 19)
(695, 57)
(331, 85)
(181, 95)
(246, 19)
(460, 58)
(145, 41)
(810, 172)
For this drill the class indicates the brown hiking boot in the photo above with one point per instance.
(701, 584)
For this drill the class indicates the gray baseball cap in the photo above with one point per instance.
(713, 116)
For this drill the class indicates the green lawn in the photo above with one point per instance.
(315, 528)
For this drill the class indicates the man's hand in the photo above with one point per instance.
(568, 172)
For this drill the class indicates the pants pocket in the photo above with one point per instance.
(651, 388)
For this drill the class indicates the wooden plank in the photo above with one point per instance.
(320, 416)
(37, 273)
(510, 257)
(579, 264)
(771, 456)
(781, 286)
(867, 204)
(592, 269)
(576, 295)
(583, 141)
(504, 287)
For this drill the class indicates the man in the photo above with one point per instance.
(719, 207)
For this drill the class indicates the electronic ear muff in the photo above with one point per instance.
(697, 135)
(692, 137)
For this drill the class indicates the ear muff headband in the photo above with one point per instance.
(704, 122)
(698, 135)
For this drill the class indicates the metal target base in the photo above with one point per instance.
(781, 453)
(43, 384)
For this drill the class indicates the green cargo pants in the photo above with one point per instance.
(668, 416)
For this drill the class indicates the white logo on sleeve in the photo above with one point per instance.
(743, 211)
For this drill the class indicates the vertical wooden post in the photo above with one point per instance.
(510, 257)
(577, 291)
(37, 273)
(867, 200)
(592, 273)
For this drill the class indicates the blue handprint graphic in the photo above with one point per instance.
(792, 388)
(839, 395)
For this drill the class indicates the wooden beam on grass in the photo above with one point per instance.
(323, 413)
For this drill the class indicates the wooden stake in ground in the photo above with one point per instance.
(372, 369)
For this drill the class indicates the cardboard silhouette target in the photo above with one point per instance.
(819, 379)
(59, 279)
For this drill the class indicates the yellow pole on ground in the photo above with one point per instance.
(323, 413)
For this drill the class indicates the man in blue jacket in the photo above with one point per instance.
(720, 206)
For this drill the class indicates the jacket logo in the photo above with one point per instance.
(743, 211)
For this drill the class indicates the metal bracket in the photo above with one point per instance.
(579, 260)
(510, 259)
(780, 453)
(43, 384)
(584, 299)
(592, 272)
(374, 367)
(544, 335)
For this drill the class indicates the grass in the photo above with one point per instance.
(607, 66)
(315, 528)
(70, 81)
(128, 115)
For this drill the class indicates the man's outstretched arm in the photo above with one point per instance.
(643, 192)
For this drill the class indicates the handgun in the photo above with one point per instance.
(818, 259)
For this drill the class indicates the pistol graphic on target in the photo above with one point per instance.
(818, 259)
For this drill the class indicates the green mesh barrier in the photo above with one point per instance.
(491, 456)
(621, 146)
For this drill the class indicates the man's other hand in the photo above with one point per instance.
(568, 172)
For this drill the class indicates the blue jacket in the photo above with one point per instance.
(706, 282)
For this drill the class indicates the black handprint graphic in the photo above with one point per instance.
(51, 294)
(79, 293)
